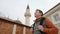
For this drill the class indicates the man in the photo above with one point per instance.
(43, 25)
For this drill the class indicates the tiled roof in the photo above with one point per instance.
(13, 21)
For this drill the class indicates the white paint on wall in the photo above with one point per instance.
(14, 29)
(24, 30)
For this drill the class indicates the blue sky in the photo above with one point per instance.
(16, 8)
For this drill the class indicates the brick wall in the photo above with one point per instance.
(7, 27)
(19, 29)
(28, 30)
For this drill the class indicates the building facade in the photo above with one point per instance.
(54, 15)
(8, 26)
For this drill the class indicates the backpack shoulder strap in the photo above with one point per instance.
(43, 22)
(33, 26)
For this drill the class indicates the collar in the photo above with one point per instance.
(39, 18)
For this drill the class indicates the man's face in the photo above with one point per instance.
(37, 14)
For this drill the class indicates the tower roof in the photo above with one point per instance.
(27, 6)
(27, 13)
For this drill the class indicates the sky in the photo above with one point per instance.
(16, 8)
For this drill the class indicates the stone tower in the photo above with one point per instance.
(27, 16)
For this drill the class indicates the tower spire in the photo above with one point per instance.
(27, 16)
(28, 7)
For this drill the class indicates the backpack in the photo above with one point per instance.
(42, 22)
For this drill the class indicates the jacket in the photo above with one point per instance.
(51, 29)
